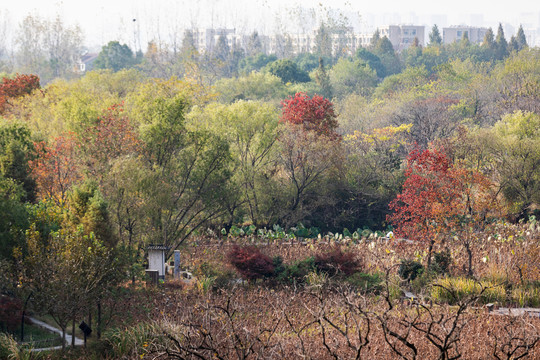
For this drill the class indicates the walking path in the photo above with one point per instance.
(78, 342)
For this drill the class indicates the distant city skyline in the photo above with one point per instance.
(135, 22)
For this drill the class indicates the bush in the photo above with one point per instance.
(410, 269)
(250, 262)
(441, 262)
(366, 283)
(337, 262)
(10, 313)
(297, 272)
(130, 342)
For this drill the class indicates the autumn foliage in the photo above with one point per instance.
(14, 88)
(438, 197)
(250, 262)
(111, 137)
(56, 168)
(336, 261)
(314, 114)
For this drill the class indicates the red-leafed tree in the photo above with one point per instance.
(16, 87)
(439, 199)
(56, 168)
(314, 114)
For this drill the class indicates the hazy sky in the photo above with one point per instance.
(104, 20)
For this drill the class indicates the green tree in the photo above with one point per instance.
(287, 71)
(254, 86)
(14, 219)
(516, 148)
(115, 56)
(66, 271)
(88, 208)
(489, 46)
(352, 76)
(372, 60)
(189, 171)
(323, 41)
(323, 80)
(385, 51)
(521, 38)
(435, 38)
(374, 40)
(255, 63)
(16, 150)
(501, 49)
(251, 130)
(254, 45)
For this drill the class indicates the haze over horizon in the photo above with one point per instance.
(138, 21)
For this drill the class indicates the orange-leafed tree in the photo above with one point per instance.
(16, 87)
(111, 137)
(440, 200)
(56, 168)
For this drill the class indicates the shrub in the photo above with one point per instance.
(130, 342)
(297, 272)
(366, 283)
(10, 313)
(337, 262)
(250, 262)
(441, 262)
(410, 269)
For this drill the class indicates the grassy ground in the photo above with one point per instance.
(37, 337)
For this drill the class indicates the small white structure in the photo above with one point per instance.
(156, 259)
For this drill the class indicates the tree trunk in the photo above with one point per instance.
(63, 338)
(469, 254)
(99, 319)
(430, 250)
(73, 333)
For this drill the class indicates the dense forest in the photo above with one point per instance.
(165, 146)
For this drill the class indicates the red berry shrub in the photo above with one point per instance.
(250, 262)
(337, 261)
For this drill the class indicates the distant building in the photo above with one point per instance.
(86, 62)
(456, 33)
(206, 40)
(402, 36)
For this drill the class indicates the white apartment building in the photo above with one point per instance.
(456, 33)
(344, 41)
(402, 36)
(206, 40)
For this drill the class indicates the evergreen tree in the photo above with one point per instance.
(489, 39)
(323, 42)
(222, 48)
(513, 44)
(254, 45)
(188, 49)
(323, 80)
(501, 44)
(115, 56)
(521, 39)
(488, 46)
(385, 51)
(435, 36)
(375, 39)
